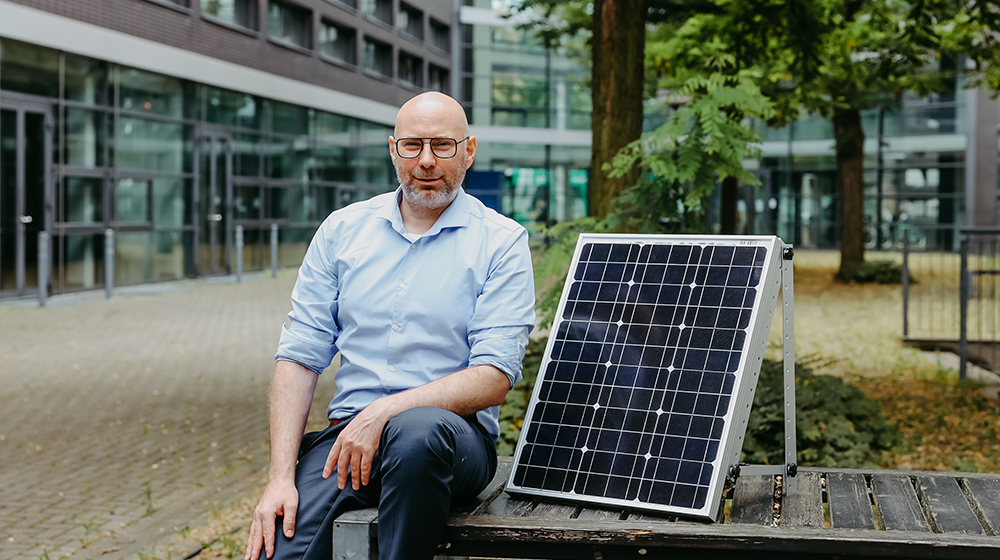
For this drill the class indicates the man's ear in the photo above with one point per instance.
(392, 147)
(470, 151)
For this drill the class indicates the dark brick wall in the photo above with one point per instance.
(187, 29)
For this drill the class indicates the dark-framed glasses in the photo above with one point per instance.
(444, 148)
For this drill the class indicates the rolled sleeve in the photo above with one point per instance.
(504, 313)
(310, 337)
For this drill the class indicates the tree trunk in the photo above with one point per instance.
(850, 142)
(727, 216)
(618, 43)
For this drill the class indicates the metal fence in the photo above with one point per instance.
(952, 301)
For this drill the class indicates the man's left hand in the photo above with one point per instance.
(356, 446)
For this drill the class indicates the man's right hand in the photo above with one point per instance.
(280, 498)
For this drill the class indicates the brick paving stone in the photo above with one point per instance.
(115, 410)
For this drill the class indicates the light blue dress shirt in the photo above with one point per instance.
(405, 309)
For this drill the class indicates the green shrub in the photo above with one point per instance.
(836, 423)
(879, 272)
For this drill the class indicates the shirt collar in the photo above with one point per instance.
(456, 215)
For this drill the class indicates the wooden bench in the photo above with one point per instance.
(836, 513)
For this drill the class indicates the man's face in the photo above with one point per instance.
(430, 182)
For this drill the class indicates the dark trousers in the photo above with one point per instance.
(428, 460)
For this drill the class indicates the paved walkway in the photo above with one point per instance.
(132, 415)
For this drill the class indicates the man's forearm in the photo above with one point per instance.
(464, 392)
(292, 389)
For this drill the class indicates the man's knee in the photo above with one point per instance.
(422, 434)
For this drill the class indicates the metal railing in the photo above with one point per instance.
(952, 301)
(45, 259)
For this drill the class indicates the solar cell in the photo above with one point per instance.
(645, 387)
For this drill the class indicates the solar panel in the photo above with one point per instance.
(646, 384)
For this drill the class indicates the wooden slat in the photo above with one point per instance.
(850, 506)
(986, 495)
(804, 508)
(949, 511)
(753, 500)
(897, 504)
(599, 514)
(553, 510)
(508, 506)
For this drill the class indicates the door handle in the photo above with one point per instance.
(215, 217)
(26, 219)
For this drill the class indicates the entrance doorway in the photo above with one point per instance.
(25, 198)
(215, 236)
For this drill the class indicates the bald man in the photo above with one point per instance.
(428, 296)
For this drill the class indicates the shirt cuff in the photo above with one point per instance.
(502, 352)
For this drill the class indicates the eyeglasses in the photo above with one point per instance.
(444, 148)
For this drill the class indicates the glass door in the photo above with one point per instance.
(25, 177)
(216, 192)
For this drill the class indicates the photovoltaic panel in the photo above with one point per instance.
(645, 388)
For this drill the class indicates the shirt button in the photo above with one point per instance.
(402, 285)
(392, 368)
(412, 247)
(395, 328)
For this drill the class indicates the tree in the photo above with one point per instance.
(617, 38)
(869, 52)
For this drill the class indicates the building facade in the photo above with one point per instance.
(170, 122)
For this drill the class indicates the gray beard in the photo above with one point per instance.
(417, 198)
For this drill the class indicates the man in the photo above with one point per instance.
(428, 296)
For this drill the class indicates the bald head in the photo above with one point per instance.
(432, 110)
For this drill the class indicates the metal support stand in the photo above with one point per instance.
(906, 285)
(43, 267)
(109, 262)
(274, 250)
(965, 289)
(790, 468)
(239, 253)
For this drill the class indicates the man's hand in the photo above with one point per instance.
(278, 499)
(357, 444)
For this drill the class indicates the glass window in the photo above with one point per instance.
(153, 146)
(172, 203)
(277, 203)
(338, 42)
(350, 3)
(437, 79)
(236, 12)
(154, 256)
(289, 24)
(132, 201)
(378, 9)
(410, 20)
(246, 203)
(87, 80)
(290, 157)
(82, 258)
(440, 36)
(374, 165)
(82, 201)
(30, 69)
(246, 155)
(231, 108)
(411, 70)
(156, 94)
(378, 57)
(84, 138)
(289, 119)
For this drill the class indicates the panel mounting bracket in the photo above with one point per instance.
(790, 468)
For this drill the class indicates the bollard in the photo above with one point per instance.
(274, 250)
(43, 267)
(239, 253)
(109, 262)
